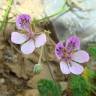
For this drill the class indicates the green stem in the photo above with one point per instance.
(61, 11)
(7, 22)
(92, 88)
(5, 18)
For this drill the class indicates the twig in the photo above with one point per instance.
(41, 53)
(45, 51)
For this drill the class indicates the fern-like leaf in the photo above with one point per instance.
(49, 88)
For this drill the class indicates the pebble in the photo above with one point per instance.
(2, 80)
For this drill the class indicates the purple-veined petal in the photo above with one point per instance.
(64, 67)
(18, 38)
(73, 43)
(28, 47)
(23, 21)
(40, 40)
(80, 56)
(76, 68)
(58, 50)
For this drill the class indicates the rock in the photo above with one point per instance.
(79, 22)
(19, 95)
(52, 7)
(2, 80)
(21, 70)
(34, 8)
(31, 92)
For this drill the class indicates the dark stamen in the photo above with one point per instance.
(57, 50)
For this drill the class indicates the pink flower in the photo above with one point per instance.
(28, 41)
(71, 56)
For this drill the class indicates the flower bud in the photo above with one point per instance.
(37, 68)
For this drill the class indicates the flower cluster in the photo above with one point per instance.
(71, 56)
(69, 52)
(29, 41)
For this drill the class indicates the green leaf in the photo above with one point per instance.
(49, 88)
(79, 86)
(92, 52)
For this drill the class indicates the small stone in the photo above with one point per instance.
(2, 80)
(19, 95)
(31, 92)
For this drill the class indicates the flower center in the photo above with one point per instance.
(31, 35)
(24, 21)
(66, 54)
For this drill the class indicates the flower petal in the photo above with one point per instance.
(80, 56)
(64, 67)
(72, 43)
(58, 50)
(40, 40)
(28, 47)
(76, 68)
(23, 21)
(18, 38)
